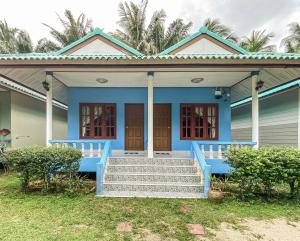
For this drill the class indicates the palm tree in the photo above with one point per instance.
(13, 40)
(73, 29)
(153, 38)
(292, 42)
(214, 25)
(258, 42)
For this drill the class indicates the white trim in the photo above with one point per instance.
(22, 89)
(49, 111)
(255, 111)
(150, 115)
(298, 117)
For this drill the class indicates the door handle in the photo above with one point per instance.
(169, 127)
(126, 127)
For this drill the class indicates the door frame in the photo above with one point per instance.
(169, 104)
(125, 125)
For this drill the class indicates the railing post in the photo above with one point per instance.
(211, 151)
(91, 150)
(99, 150)
(99, 178)
(219, 151)
(206, 172)
(82, 149)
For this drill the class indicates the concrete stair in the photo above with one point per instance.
(157, 177)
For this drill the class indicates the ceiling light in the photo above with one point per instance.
(197, 80)
(101, 80)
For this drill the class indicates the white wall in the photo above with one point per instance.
(98, 47)
(28, 121)
(203, 46)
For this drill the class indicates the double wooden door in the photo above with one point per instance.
(134, 127)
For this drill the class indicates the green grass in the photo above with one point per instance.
(36, 216)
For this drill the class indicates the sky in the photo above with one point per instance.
(242, 16)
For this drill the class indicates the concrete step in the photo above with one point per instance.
(152, 194)
(151, 169)
(154, 161)
(144, 177)
(152, 187)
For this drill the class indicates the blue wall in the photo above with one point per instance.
(120, 96)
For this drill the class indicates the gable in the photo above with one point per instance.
(204, 45)
(98, 42)
(97, 45)
(204, 42)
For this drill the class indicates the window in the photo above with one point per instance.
(98, 121)
(199, 121)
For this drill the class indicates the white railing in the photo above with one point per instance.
(217, 149)
(89, 148)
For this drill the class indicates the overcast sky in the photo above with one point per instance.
(241, 15)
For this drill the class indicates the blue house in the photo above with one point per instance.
(150, 125)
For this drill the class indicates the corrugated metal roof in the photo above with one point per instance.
(54, 56)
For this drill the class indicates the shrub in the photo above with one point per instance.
(257, 170)
(43, 163)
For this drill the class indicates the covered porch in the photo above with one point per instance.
(198, 92)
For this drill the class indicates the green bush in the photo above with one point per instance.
(43, 163)
(260, 170)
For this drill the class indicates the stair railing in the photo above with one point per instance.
(100, 167)
(205, 169)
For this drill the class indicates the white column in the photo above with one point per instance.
(150, 114)
(49, 78)
(255, 110)
(299, 118)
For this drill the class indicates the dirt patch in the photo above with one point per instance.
(124, 227)
(254, 230)
(147, 235)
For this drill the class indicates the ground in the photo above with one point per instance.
(37, 216)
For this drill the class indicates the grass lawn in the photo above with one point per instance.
(36, 216)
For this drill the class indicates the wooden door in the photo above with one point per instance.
(162, 127)
(134, 127)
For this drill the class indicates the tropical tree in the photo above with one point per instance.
(73, 29)
(258, 42)
(149, 39)
(292, 42)
(214, 25)
(14, 40)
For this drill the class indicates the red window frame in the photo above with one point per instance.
(104, 128)
(192, 128)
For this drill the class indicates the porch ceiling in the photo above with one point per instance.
(233, 76)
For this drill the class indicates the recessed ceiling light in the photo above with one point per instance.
(197, 80)
(101, 80)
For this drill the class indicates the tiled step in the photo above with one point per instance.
(152, 194)
(152, 187)
(154, 161)
(150, 169)
(142, 177)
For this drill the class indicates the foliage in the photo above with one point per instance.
(13, 40)
(259, 170)
(151, 39)
(258, 42)
(214, 25)
(84, 217)
(73, 29)
(42, 163)
(292, 42)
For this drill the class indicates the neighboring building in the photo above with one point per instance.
(25, 117)
(162, 122)
(278, 120)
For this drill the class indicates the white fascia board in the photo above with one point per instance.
(26, 91)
